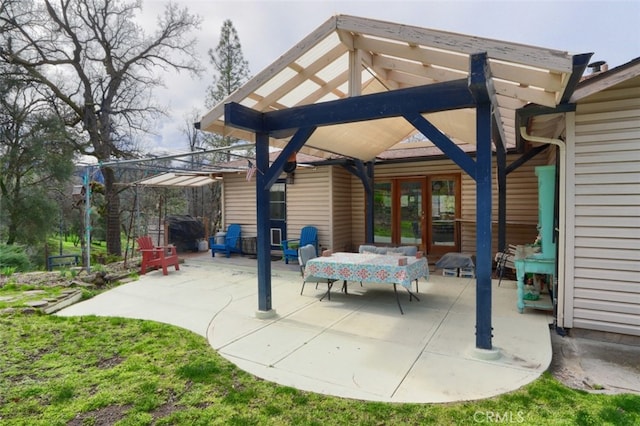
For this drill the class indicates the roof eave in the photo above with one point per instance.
(281, 63)
(606, 79)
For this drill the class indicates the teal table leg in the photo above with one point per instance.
(520, 275)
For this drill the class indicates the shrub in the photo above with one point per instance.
(7, 271)
(12, 256)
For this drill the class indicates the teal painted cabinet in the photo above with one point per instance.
(546, 196)
(545, 261)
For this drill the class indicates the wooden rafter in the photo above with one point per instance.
(345, 54)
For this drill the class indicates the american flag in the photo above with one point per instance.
(250, 171)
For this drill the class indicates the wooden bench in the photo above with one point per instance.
(62, 260)
(157, 256)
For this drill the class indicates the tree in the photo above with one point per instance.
(101, 67)
(194, 195)
(36, 159)
(231, 70)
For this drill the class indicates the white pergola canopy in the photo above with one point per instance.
(172, 179)
(351, 56)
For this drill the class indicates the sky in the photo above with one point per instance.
(268, 28)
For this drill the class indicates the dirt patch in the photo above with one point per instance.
(36, 279)
(104, 416)
(166, 409)
(106, 363)
(49, 291)
(595, 366)
(100, 275)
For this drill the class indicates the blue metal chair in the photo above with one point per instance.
(308, 235)
(231, 242)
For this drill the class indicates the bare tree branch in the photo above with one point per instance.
(100, 66)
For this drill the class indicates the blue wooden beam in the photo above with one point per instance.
(478, 85)
(580, 63)
(479, 78)
(501, 165)
(244, 118)
(297, 141)
(441, 140)
(369, 205)
(262, 215)
(358, 169)
(532, 110)
(429, 98)
(408, 103)
(483, 227)
(524, 158)
(364, 172)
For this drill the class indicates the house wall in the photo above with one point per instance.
(237, 196)
(341, 214)
(603, 249)
(338, 209)
(308, 203)
(522, 199)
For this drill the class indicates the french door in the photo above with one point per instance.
(444, 208)
(418, 211)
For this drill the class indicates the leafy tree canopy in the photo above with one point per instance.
(99, 67)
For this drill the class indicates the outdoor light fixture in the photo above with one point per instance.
(290, 165)
(290, 178)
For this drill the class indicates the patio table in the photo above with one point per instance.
(369, 267)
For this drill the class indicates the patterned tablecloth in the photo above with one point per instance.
(368, 267)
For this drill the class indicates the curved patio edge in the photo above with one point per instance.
(356, 345)
(359, 346)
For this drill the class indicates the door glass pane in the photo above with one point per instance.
(411, 213)
(443, 208)
(382, 212)
(277, 206)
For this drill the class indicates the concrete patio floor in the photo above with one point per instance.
(356, 345)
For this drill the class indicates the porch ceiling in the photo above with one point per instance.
(349, 56)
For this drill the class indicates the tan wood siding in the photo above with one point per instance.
(333, 200)
(308, 203)
(239, 201)
(606, 263)
(340, 210)
(358, 211)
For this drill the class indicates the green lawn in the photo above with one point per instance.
(96, 371)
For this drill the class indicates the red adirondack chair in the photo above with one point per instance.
(157, 256)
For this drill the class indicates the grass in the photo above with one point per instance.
(94, 370)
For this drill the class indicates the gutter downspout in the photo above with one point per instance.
(561, 215)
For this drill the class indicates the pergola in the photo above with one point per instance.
(169, 178)
(356, 87)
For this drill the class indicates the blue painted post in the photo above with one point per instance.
(262, 216)
(501, 165)
(370, 205)
(483, 227)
